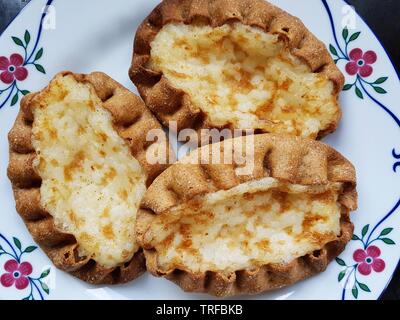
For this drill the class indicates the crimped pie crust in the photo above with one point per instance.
(131, 119)
(172, 104)
(287, 159)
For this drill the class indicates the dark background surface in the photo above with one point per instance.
(383, 16)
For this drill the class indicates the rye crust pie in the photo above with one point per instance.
(210, 230)
(235, 64)
(78, 170)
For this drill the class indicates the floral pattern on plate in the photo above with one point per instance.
(17, 271)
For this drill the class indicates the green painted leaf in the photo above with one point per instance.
(388, 241)
(345, 33)
(341, 275)
(18, 41)
(25, 92)
(17, 243)
(354, 291)
(27, 37)
(364, 230)
(340, 262)
(40, 68)
(1, 248)
(39, 54)
(386, 231)
(333, 50)
(379, 90)
(364, 287)
(359, 93)
(14, 99)
(26, 298)
(354, 36)
(381, 80)
(355, 237)
(45, 287)
(347, 87)
(45, 274)
(30, 249)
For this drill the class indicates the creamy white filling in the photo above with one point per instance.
(242, 75)
(91, 184)
(247, 226)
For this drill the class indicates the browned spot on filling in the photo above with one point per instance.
(185, 244)
(287, 108)
(53, 133)
(168, 240)
(263, 245)
(202, 53)
(289, 230)
(244, 244)
(203, 218)
(247, 233)
(263, 112)
(185, 230)
(123, 194)
(181, 42)
(223, 232)
(282, 199)
(248, 196)
(91, 105)
(39, 135)
(61, 92)
(103, 137)
(108, 232)
(98, 166)
(310, 220)
(111, 174)
(178, 74)
(86, 237)
(75, 164)
(106, 213)
(77, 221)
(195, 205)
(285, 84)
(267, 206)
(81, 129)
(72, 217)
(320, 238)
(242, 83)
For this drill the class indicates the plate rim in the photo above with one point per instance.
(389, 56)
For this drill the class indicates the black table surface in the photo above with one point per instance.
(381, 15)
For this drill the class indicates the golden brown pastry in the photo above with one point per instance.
(210, 230)
(78, 170)
(238, 64)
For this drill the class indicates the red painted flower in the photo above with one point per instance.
(360, 62)
(12, 69)
(368, 259)
(16, 273)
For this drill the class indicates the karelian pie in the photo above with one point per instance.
(78, 170)
(210, 230)
(237, 64)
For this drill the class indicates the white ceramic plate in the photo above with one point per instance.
(85, 36)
